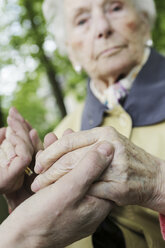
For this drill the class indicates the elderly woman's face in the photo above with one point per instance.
(105, 37)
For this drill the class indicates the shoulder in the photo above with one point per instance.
(72, 120)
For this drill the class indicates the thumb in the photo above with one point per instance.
(35, 139)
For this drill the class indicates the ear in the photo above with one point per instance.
(146, 28)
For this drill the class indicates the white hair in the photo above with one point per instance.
(54, 14)
(148, 7)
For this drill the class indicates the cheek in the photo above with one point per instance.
(131, 30)
(78, 45)
(77, 48)
(82, 50)
(131, 25)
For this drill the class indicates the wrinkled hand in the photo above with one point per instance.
(134, 176)
(17, 149)
(63, 212)
(61, 167)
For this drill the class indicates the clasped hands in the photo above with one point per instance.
(62, 212)
(82, 176)
(133, 176)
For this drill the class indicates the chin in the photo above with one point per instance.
(117, 66)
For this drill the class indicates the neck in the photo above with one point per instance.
(102, 84)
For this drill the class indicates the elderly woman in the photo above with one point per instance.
(111, 41)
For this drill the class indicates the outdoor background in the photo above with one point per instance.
(34, 77)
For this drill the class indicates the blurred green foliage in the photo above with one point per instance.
(50, 69)
(159, 30)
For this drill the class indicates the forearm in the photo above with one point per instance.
(160, 201)
(13, 232)
(157, 203)
(10, 235)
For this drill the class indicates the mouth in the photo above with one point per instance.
(110, 51)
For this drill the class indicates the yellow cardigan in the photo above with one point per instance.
(140, 226)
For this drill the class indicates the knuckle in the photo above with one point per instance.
(67, 143)
(45, 159)
(109, 131)
(93, 157)
(66, 158)
(122, 194)
(49, 177)
(54, 174)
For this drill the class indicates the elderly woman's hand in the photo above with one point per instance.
(134, 176)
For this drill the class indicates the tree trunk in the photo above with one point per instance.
(1, 115)
(49, 68)
(54, 84)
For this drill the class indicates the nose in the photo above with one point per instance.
(103, 28)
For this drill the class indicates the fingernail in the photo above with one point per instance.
(105, 149)
(35, 186)
(38, 168)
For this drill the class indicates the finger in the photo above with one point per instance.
(13, 113)
(68, 131)
(111, 191)
(60, 168)
(9, 132)
(2, 134)
(8, 149)
(62, 146)
(28, 125)
(3, 159)
(87, 171)
(21, 149)
(17, 167)
(21, 131)
(49, 139)
(35, 139)
(49, 177)
(16, 124)
(101, 190)
(38, 153)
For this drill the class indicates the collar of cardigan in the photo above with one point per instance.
(145, 102)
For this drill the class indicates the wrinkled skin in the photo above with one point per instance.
(107, 38)
(133, 177)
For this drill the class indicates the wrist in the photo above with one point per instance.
(10, 235)
(161, 189)
(15, 232)
(157, 203)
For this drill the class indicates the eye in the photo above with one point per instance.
(117, 8)
(81, 22)
(114, 7)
